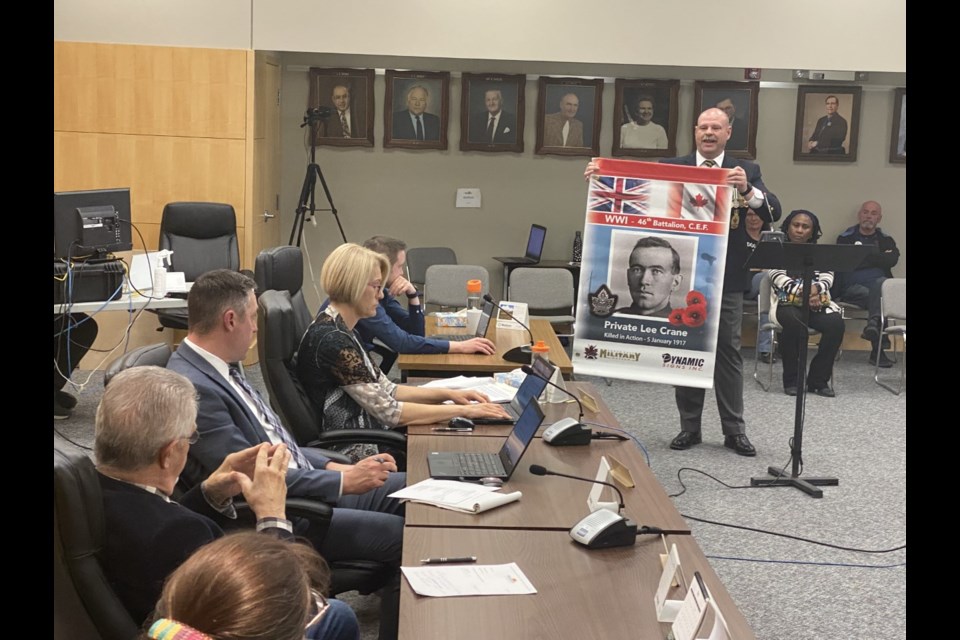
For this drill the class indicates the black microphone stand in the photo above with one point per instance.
(309, 188)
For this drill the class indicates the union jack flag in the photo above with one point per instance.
(619, 195)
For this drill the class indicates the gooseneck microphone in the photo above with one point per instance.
(538, 470)
(522, 354)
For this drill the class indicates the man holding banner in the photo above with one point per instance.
(704, 210)
(711, 134)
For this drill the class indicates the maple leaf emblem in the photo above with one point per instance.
(699, 201)
(590, 353)
(602, 302)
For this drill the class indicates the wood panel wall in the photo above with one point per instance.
(171, 123)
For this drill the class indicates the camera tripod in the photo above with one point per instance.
(308, 194)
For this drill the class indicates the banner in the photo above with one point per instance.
(654, 251)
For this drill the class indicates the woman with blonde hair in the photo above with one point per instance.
(347, 389)
(246, 586)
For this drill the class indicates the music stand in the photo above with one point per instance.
(806, 258)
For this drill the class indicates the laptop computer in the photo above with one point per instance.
(486, 312)
(453, 465)
(534, 247)
(530, 389)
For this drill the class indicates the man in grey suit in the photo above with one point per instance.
(712, 132)
(366, 524)
(562, 129)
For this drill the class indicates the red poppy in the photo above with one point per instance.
(695, 315)
(695, 297)
(676, 317)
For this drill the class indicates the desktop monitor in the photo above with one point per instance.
(91, 224)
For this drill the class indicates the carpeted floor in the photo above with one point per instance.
(787, 589)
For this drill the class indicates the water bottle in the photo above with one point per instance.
(474, 287)
(577, 247)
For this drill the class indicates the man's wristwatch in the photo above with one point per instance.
(415, 294)
(749, 189)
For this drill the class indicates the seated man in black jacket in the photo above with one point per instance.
(144, 427)
(862, 285)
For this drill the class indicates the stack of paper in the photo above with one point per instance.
(465, 497)
(468, 580)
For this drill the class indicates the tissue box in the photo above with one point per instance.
(448, 319)
(513, 378)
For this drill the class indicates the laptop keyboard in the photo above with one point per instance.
(455, 337)
(479, 465)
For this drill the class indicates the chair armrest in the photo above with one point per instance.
(351, 436)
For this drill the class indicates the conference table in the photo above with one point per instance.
(452, 364)
(599, 594)
(581, 593)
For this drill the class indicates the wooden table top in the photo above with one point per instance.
(548, 502)
(552, 411)
(581, 593)
(505, 339)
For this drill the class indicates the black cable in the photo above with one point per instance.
(728, 486)
(792, 537)
(76, 444)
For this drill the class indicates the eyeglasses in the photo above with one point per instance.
(321, 605)
(193, 438)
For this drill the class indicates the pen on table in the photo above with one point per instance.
(448, 560)
(454, 429)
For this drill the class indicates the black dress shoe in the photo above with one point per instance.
(826, 392)
(685, 440)
(885, 362)
(766, 358)
(64, 399)
(790, 391)
(740, 444)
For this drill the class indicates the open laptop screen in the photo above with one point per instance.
(523, 432)
(535, 242)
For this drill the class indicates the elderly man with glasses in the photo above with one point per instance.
(145, 424)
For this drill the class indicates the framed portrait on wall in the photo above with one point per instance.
(568, 116)
(828, 123)
(740, 101)
(645, 118)
(898, 137)
(348, 95)
(492, 112)
(416, 108)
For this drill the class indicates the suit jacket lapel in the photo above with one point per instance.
(197, 360)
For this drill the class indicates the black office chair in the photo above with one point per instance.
(151, 354)
(85, 605)
(277, 344)
(281, 268)
(203, 237)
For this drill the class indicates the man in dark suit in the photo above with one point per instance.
(494, 125)
(366, 524)
(347, 119)
(414, 123)
(145, 426)
(830, 132)
(711, 134)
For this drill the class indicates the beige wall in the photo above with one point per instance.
(858, 35)
(411, 194)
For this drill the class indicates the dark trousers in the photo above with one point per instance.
(72, 337)
(830, 326)
(727, 375)
(866, 296)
